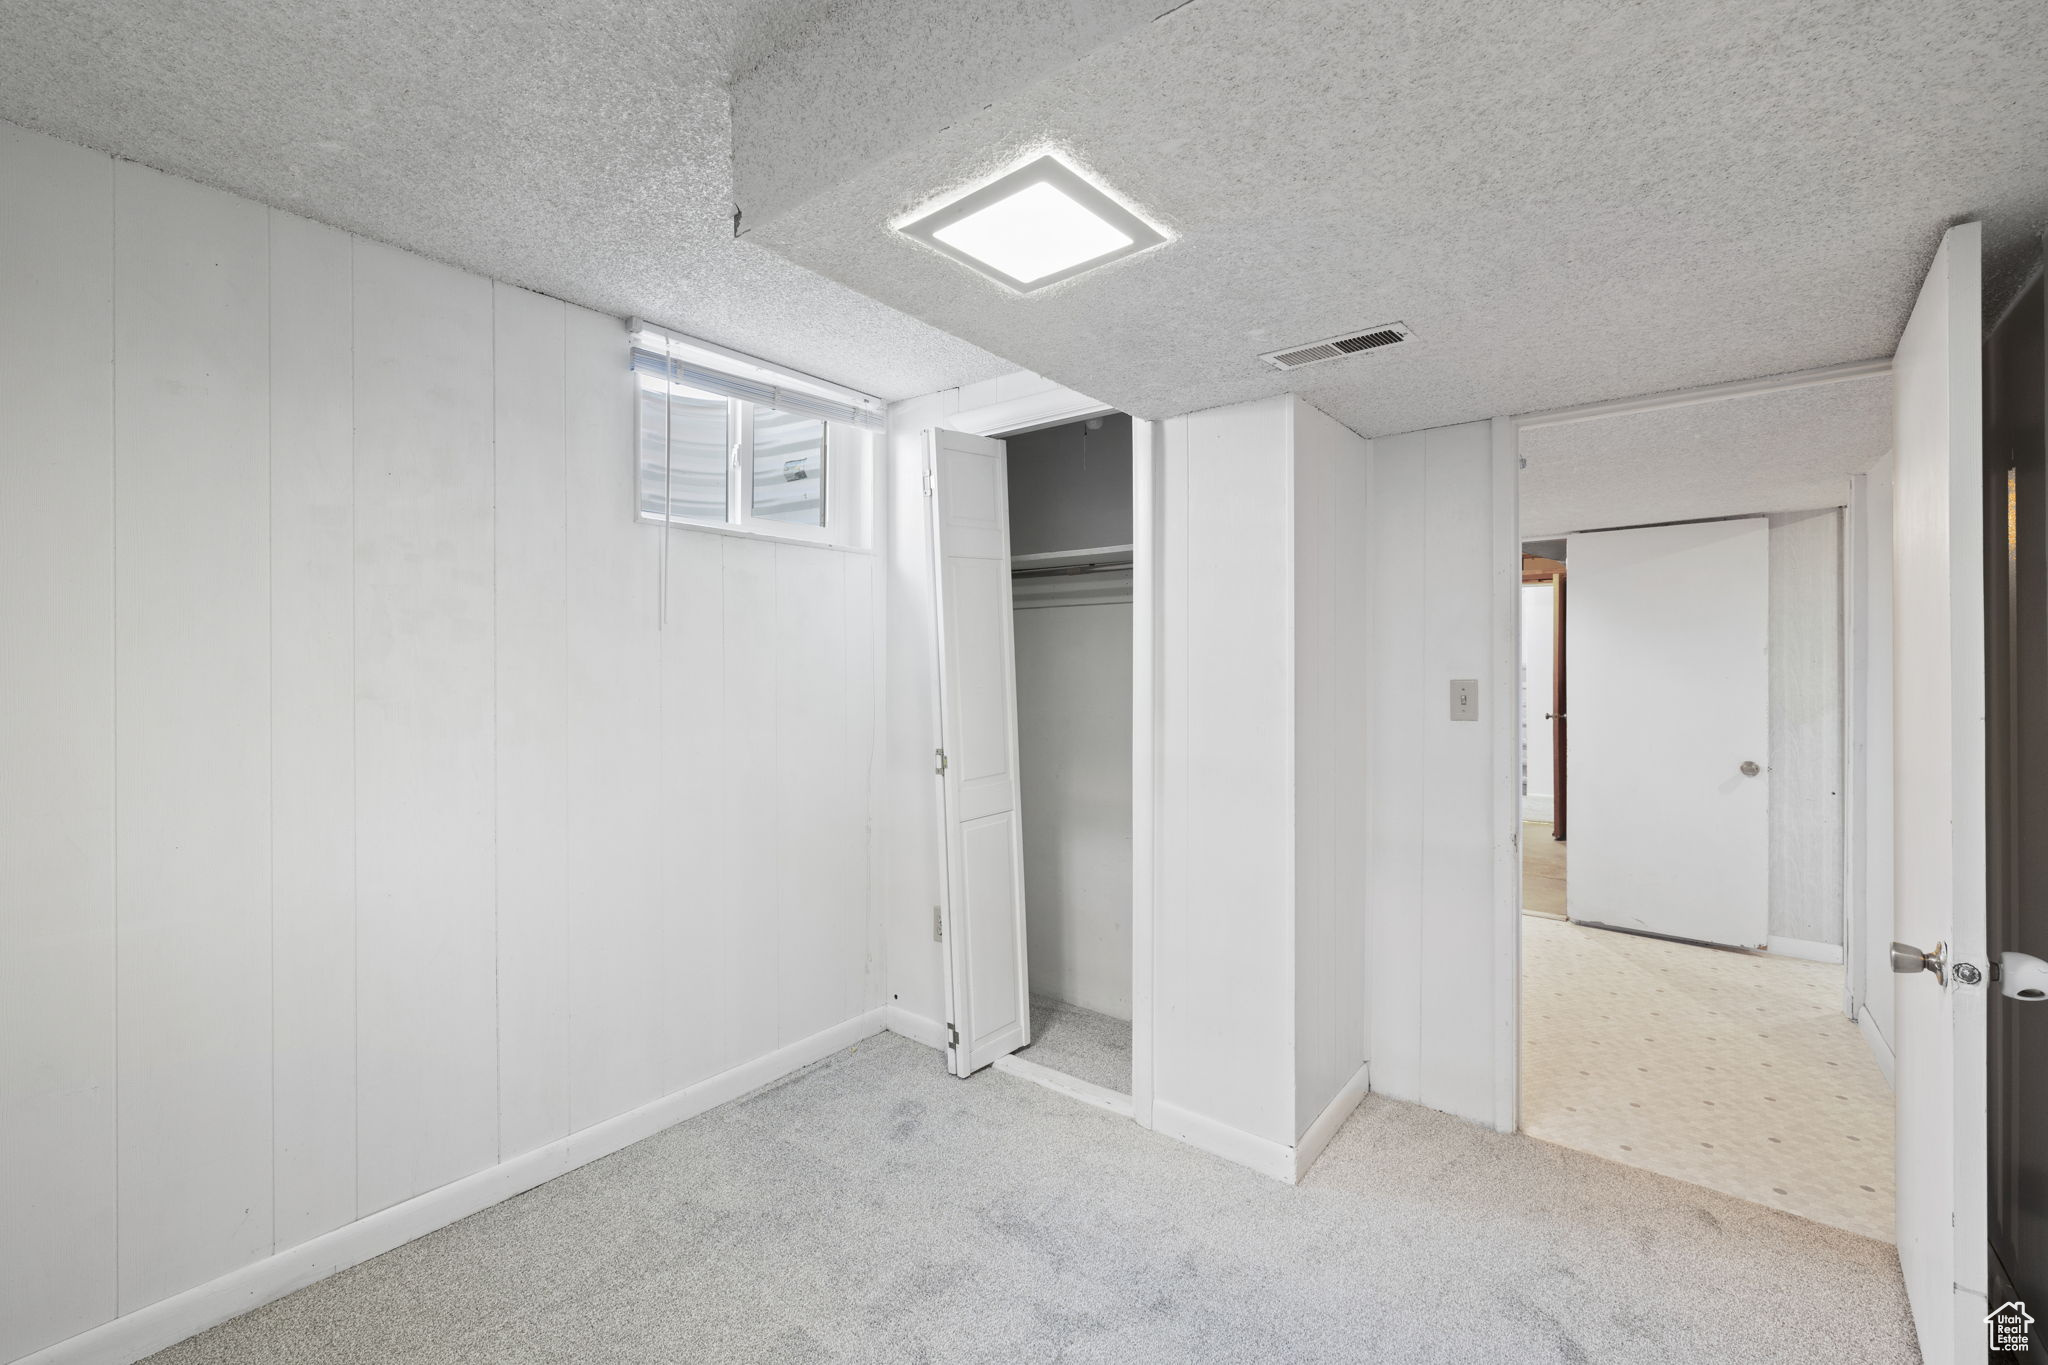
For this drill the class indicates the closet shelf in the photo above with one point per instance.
(1073, 561)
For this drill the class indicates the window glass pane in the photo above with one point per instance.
(697, 445)
(789, 468)
(652, 452)
(682, 452)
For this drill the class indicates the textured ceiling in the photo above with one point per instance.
(1567, 202)
(582, 149)
(871, 76)
(1772, 452)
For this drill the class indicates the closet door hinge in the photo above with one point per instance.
(927, 480)
(952, 1036)
(938, 926)
(939, 762)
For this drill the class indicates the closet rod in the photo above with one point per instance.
(1067, 570)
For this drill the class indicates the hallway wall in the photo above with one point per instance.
(1539, 650)
(1806, 731)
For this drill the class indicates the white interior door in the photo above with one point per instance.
(988, 997)
(1938, 800)
(1668, 641)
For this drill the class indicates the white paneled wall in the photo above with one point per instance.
(312, 740)
(426, 950)
(362, 826)
(57, 811)
(1224, 931)
(1538, 669)
(1442, 873)
(1332, 602)
(1806, 730)
(614, 774)
(531, 625)
(1868, 805)
(192, 686)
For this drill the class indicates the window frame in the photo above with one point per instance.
(855, 426)
(839, 454)
(740, 480)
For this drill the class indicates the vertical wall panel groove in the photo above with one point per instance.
(695, 856)
(312, 507)
(614, 842)
(530, 434)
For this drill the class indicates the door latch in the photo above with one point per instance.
(2022, 976)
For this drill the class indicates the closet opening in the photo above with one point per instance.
(1071, 575)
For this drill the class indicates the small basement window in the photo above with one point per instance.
(729, 443)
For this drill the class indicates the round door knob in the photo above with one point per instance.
(1749, 768)
(1906, 960)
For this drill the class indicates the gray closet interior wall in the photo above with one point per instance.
(1070, 489)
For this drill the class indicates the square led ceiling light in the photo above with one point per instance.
(1037, 225)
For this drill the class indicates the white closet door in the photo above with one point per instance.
(1938, 801)
(976, 762)
(1667, 642)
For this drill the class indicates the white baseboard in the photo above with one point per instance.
(1879, 1048)
(1538, 807)
(169, 1321)
(1102, 1097)
(1805, 948)
(1328, 1122)
(915, 1027)
(1263, 1155)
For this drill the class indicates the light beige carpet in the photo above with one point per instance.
(874, 1209)
(1733, 1070)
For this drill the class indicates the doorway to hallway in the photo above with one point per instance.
(1682, 964)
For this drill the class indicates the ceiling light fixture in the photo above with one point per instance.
(1033, 226)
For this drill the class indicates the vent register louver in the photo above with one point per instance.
(1337, 347)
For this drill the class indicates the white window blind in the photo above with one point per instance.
(726, 442)
(712, 370)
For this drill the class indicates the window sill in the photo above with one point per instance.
(749, 533)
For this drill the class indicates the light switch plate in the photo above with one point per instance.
(1464, 699)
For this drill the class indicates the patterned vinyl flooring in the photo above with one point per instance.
(1732, 1070)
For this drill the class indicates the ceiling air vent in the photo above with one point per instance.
(1337, 347)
